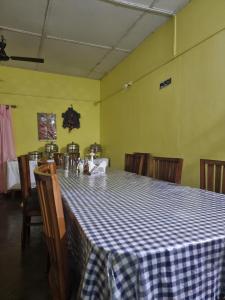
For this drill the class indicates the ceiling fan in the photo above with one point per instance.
(5, 57)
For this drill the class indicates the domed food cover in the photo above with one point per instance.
(51, 147)
(96, 148)
(34, 155)
(73, 148)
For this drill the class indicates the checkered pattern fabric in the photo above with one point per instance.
(147, 239)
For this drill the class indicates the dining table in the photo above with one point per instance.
(134, 237)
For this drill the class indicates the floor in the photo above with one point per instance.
(22, 275)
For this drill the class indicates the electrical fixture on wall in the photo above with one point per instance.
(127, 85)
(165, 83)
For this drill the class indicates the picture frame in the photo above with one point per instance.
(46, 126)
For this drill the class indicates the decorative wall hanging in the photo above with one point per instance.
(71, 119)
(46, 126)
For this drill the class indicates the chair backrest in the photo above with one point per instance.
(212, 175)
(128, 162)
(73, 157)
(54, 228)
(58, 158)
(24, 170)
(165, 168)
(145, 162)
(134, 163)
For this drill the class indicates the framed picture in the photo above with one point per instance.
(46, 126)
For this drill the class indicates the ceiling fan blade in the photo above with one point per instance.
(29, 59)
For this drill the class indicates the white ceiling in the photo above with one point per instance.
(78, 37)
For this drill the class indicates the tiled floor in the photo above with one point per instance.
(22, 275)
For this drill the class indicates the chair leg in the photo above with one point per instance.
(25, 234)
(28, 227)
(47, 262)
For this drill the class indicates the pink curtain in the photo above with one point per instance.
(7, 145)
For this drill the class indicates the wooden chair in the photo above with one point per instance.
(145, 162)
(58, 158)
(165, 168)
(212, 175)
(134, 163)
(54, 229)
(30, 203)
(73, 157)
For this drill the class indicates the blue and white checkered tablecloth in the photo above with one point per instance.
(147, 239)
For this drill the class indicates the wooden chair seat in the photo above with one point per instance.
(166, 168)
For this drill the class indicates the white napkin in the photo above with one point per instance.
(50, 160)
(97, 161)
(100, 168)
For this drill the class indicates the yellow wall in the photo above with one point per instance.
(186, 119)
(36, 92)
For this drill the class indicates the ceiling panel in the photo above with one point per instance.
(58, 68)
(90, 21)
(68, 58)
(146, 25)
(143, 2)
(20, 45)
(110, 61)
(172, 5)
(95, 75)
(23, 14)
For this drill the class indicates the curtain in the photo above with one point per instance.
(7, 145)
